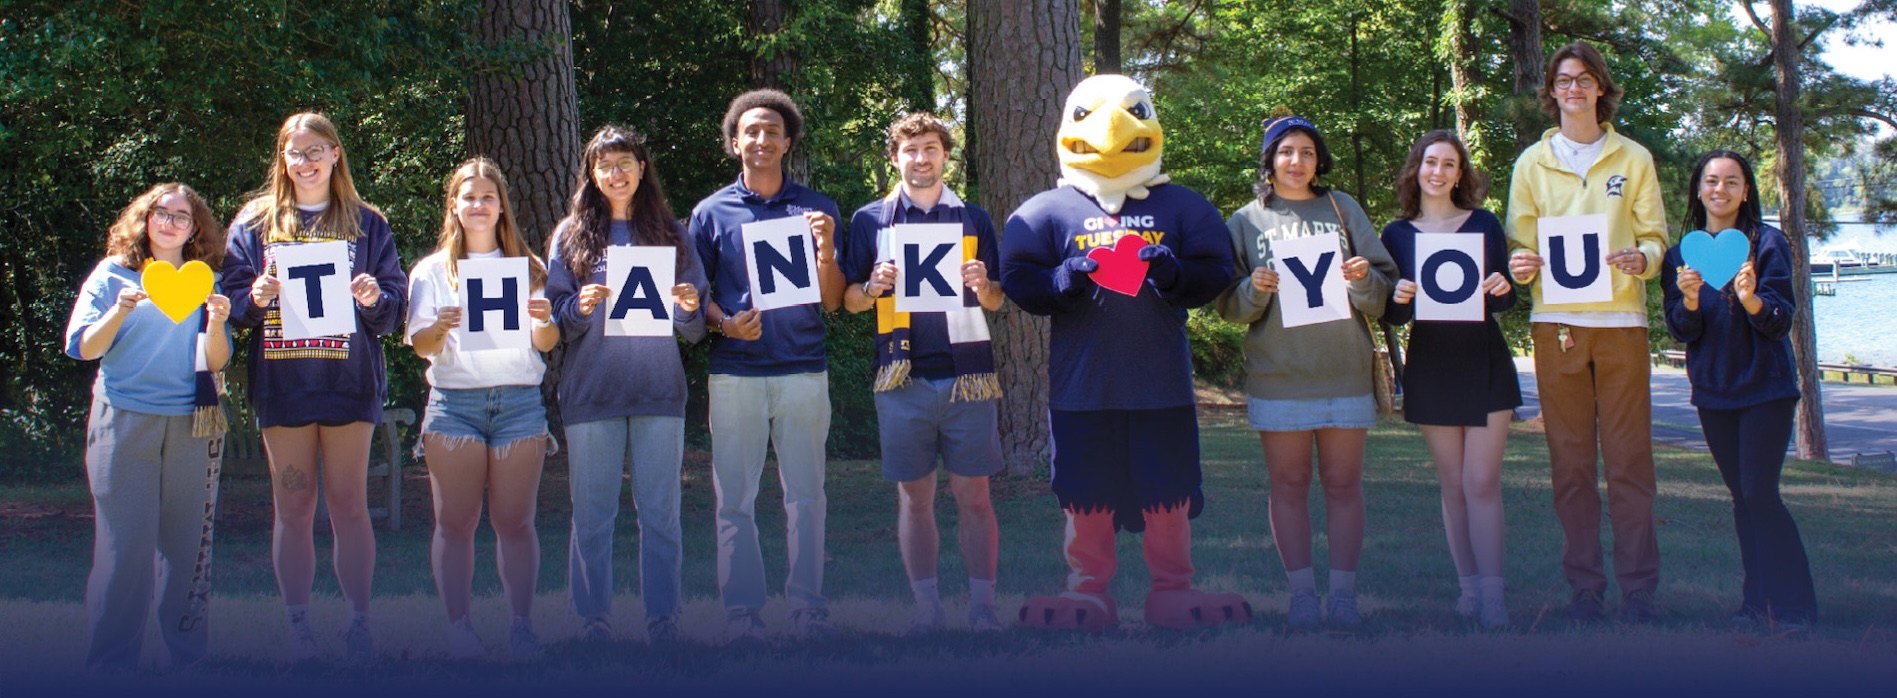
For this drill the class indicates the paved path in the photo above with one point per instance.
(1858, 418)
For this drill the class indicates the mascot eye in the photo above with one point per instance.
(1141, 111)
(1080, 113)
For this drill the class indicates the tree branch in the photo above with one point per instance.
(1754, 14)
(1815, 32)
(1868, 114)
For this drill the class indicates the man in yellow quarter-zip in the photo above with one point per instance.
(1591, 358)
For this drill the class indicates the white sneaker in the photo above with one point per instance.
(1469, 604)
(1494, 609)
(1305, 611)
(982, 619)
(521, 640)
(462, 642)
(358, 642)
(302, 642)
(1343, 610)
(929, 618)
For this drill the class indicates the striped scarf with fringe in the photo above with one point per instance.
(969, 346)
(207, 414)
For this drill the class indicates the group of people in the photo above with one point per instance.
(1121, 409)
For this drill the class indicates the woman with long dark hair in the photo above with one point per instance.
(623, 398)
(1739, 361)
(1459, 382)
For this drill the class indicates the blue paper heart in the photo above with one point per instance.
(1717, 258)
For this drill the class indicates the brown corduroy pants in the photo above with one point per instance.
(1598, 391)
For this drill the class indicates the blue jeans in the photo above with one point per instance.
(748, 413)
(597, 455)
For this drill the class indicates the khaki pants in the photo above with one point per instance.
(154, 487)
(1599, 391)
(792, 415)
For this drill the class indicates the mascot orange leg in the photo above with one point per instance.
(1091, 562)
(1173, 603)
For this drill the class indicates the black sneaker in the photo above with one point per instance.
(1586, 606)
(1638, 607)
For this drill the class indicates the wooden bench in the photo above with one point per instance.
(244, 452)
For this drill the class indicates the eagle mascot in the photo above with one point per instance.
(1114, 257)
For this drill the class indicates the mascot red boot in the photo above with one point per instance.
(1115, 257)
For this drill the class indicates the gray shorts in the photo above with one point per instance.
(917, 422)
(1356, 412)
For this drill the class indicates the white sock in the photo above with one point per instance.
(1492, 586)
(358, 618)
(1469, 585)
(297, 612)
(1343, 583)
(1302, 580)
(926, 593)
(981, 592)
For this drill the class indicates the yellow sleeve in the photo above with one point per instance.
(1649, 220)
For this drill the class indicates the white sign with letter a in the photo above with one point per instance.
(1449, 277)
(1574, 259)
(314, 298)
(928, 260)
(781, 260)
(494, 295)
(1311, 286)
(641, 277)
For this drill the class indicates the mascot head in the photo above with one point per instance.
(1110, 141)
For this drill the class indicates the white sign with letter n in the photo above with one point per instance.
(781, 260)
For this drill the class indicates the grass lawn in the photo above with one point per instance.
(1406, 586)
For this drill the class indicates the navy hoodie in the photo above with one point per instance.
(1735, 359)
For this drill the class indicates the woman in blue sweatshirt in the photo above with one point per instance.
(317, 399)
(1739, 360)
(622, 398)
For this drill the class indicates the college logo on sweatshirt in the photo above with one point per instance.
(1615, 184)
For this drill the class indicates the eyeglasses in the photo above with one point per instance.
(1585, 82)
(310, 154)
(627, 165)
(180, 221)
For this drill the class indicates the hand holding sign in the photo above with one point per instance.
(1449, 275)
(1121, 269)
(494, 297)
(926, 256)
(315, 290)
(637, 308)
(1575, 247)
(781, 262)
(365, 290)
(1318, 294)
(1716, 257)
(177, 291)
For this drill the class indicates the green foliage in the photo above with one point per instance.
(101, 100)
(1218, 348)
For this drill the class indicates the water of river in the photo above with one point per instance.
(1861, 321)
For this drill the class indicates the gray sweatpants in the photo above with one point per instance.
(153, 489)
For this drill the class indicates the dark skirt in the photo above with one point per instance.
(1456, 373)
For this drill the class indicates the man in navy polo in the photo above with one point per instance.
(936, 387)
(769, 382)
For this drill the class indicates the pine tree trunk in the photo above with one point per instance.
(1524, 44)
(1106, 37)
(1023, 58)
(918, 74)
(526, 116)
(1809, 426)
(775, 68)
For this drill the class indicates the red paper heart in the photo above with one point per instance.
(1121, 268)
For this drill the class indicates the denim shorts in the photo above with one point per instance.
(918, 421)
(1355, 412)
(496, 417)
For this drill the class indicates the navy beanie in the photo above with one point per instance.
(1277, 126)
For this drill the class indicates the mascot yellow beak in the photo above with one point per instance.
(1109, 127)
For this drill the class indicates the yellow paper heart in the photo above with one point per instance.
(177, 291)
